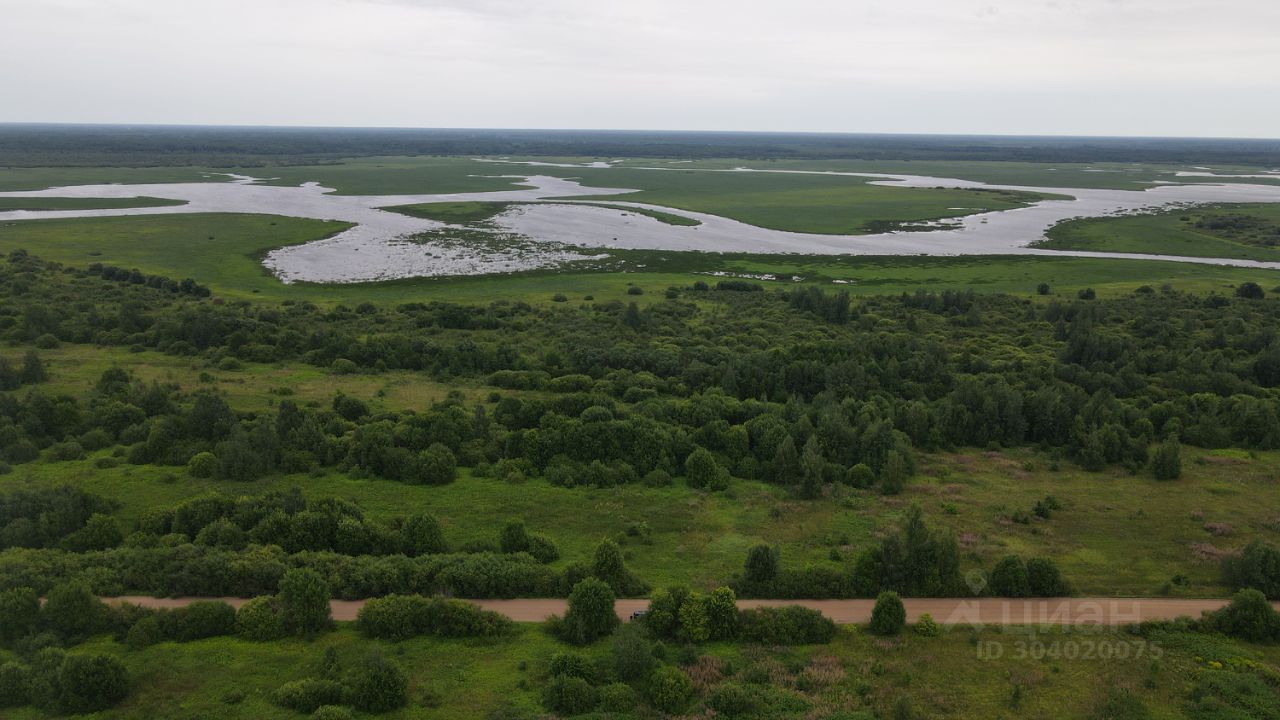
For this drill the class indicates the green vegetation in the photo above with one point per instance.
(180, 246)
(1249, 232)
(175, 421)
(61, 203)
(801, 203)
(475, 211)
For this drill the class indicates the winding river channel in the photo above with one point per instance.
(385, 245)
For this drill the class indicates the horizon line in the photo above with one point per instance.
(662, 131)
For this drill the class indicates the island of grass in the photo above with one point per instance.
(1242, 231)
(67, 203)
(822, 204)
(479, 211)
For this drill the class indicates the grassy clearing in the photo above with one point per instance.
(58, 203)
(943, 676)
(41, 178)
(1196, 232)
(221, 250)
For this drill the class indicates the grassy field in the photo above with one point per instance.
(1176, 232)
(942, 677)
(58, 203)
(222, 251)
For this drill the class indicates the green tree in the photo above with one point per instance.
(722, 614)
(435, 466)
(889, 615)
(422, 535)
(590, 614)
(1166, 461)
(786, 463)
(304, 602)
(694, 621)
(513, 538)
(632, 653)
(761, 567)
(812, 467)
(702, 470)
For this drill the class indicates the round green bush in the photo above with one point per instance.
(378, 686)
(202, 465)
(731, 700)
(567, 695)
(309, 694)
(144, 633)
(259, 619)
(618, 698)
(889, 615)
(91, 682)
(343, 366)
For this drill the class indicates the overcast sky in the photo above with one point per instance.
(1096, 67)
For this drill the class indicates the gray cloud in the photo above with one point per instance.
(1187, 67)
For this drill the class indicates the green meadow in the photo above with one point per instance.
(1248, 232)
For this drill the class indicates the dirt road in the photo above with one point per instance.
(948, 611)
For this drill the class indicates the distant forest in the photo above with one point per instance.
(35, 145)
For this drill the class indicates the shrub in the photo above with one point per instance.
(378, 686)
(259, 619)
(1044, 579)
(436, 465)
(927, 627)
(635, 290)
(632, 653)
(1166, 461)
(889, 615)
(1248, 616)
(332, 712)
(618, 698)
(790, 625)
(572, 664)
(100, 532)
(144, 633)
(20, 612)
(202, 465)
(45, 685)
(304, 602)
(73, 612)
(731, 700)
(199, 620)
(670, 689)
(14, 679)
(398, 617)
(568, 695)
(1009, 578)
(1258, 566)
(590, 614)
(422, 535)
(91, 682)
(308, 695)
(343, 366)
